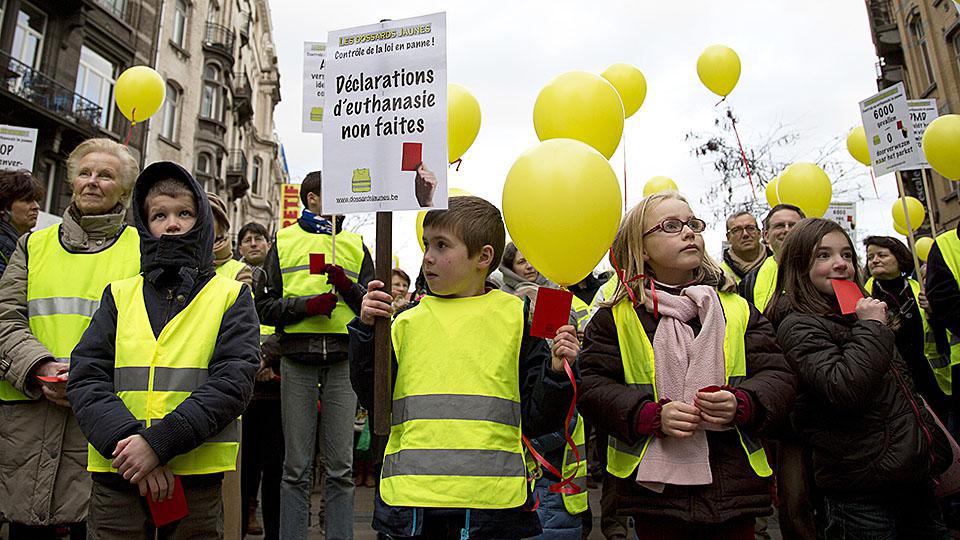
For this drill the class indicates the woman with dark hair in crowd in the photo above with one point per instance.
(20, 196)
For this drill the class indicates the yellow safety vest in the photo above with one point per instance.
(231, 268)
(581, 313)
(639, 372)
(294, 246)
(729, 271)
(64, 290)
(604, 293)
(949, 245)
(153, 375)
(574, 504)
(455, 439)
(766, 283)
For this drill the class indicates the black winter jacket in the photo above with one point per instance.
(857, 409)
(943, 293)
(8, 242)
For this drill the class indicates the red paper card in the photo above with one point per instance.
(317, 262)
(847, 295)
(552, 312)
(52, 379)
(412, 156)
(710, 389)
(170, 510)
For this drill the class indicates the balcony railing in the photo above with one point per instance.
(219, 37)
(882, 13)
(237, 181)
(22, 80)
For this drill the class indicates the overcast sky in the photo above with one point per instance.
(804, 63)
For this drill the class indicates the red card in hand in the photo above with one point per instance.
(847, 295)
(552, 312)
(317, 262)
(169, 510)
(412, 156)
(53, 379)
(710, 389)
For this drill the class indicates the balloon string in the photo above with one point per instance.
(721, 101)
(457, 163)
(743, 155)
(873, 179)
(622, 276)
(624, 172)
(126, 141)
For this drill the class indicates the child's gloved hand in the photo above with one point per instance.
(134, 458)
(376, 303)
(565, 346)
(338, 278)
(322, 304)
(679, 419)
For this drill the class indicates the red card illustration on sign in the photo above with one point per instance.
(552, 312)
(169, 510)
(848, 293)
(317, 262)
(412, 156)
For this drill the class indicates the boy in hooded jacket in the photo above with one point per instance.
(164, 370)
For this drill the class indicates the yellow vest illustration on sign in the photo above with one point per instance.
(361, 181)
(316, 114)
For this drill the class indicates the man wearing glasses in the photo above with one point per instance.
(757, 286)
(745, 252)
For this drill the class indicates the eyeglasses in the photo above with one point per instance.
(749, 229)
(674, 226)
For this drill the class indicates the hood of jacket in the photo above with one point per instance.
(191, 250)
(512, 281)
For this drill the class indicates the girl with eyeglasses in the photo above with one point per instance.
(686, 376)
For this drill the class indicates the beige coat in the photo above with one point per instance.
(43, 454)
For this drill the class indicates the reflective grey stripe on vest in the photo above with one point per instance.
(137, 379)
(418, 462)
(736, 380)
(621, 446)
(349, 273)
(61, 305)
(571, 458)
(230, 434)
(456, 407)
(580, 482)
(645, 388)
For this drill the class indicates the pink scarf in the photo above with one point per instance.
(684, 364)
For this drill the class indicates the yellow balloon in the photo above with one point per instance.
(805, 185)
(658, 184)
(771, 192)
(582, 106)
(941, 145)
(923, 245)
(719, 69)
(546, 187)
(631, 85)
(857, 145)
(901, 230)
(463, 120)
(139, 93)
(453, 192)
(914, 208)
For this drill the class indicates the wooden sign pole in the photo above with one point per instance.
(383, 346)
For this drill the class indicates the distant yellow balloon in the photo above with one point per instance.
(658, 184)
(139, 93)
(719, 69)
(806, 186)
(463, 120)
(453, 192)
(915, 209)
(581, 106)
(857, 145)
(630, 84)
(771, 192)
(923, 246)
(545, 187)
(941, 145)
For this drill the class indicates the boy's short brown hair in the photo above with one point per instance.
(475, 221)
(170, 187)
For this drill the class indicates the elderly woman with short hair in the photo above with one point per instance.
(20, 196)
(52, 286)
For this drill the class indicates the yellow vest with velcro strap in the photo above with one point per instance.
(639, 369)
(604, 293)
(153, 375)
(455, 439)
(64, 289)
(766, 283)
(574, 504)
(729, 271)
(294, 246)
(581, 313)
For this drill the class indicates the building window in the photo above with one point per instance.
(116, 7)
(255, 176)
(171, 114)
(919, 36)
(213, 11)
(956, 47)
(204, 163)
(214, 94)
(28, 37)
(95, 79)
(179, 23)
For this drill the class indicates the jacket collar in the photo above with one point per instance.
(77, 231)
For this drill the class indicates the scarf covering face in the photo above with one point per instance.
(684, 364)
(319, 224)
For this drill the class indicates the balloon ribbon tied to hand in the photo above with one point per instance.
(565, 485)
(126, 141)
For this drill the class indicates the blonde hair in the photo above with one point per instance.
(628, 250)
(129, 168)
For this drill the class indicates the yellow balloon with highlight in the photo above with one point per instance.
(806, 186)
(139, 93)
(630, 84)
(914, 208)
(771, 192)
(857, 145)
(658, 184)
(453, 192)
(719, 69)
(941, 145)
(899, 229)
(562, 207)
(581, 106)
(923, 245)
(463, 121)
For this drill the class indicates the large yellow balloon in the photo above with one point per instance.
(805, 185)
(582, 106)
(902, 230)
(914, 208)
(857, 145)
(561, 204)
(658, 184)
(719, 69)
(923, 246)
(771, 192)
(453, 192)
(941, 145)
(139, 92)
(630, 84)
(463, 120)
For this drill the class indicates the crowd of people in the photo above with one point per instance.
(145, 357)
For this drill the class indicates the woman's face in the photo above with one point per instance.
(96, 189)
(524, 269)
(23, 214)
(673, 257)
(881, 263)
(832, 259)
(398, 287)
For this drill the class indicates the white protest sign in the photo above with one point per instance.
(313, 58)
(886, 123)
(385, 117)
(957, 4)
(17, 147)
(922, 112)
(845, 215)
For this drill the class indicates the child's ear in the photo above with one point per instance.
(645, 256)
(486, 257)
